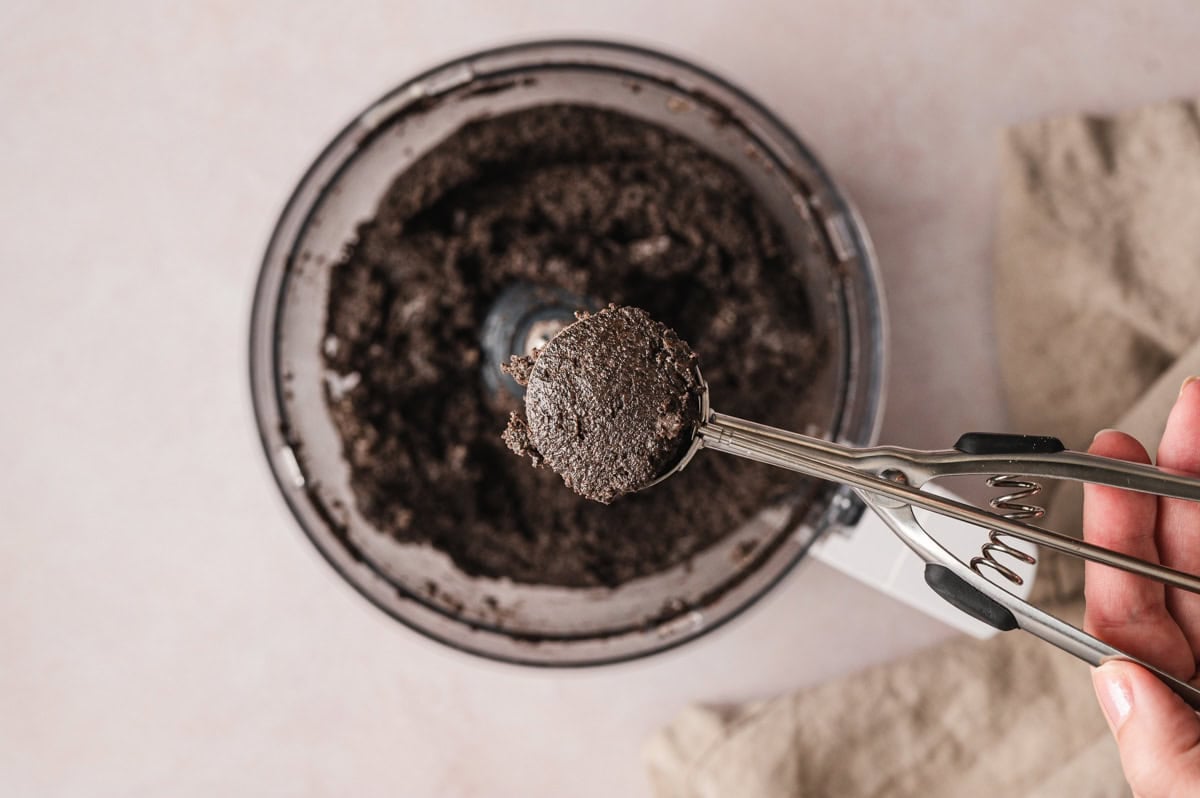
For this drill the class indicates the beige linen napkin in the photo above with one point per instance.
(1098, 317)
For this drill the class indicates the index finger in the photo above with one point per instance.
(1125, 610)
(1179, 520)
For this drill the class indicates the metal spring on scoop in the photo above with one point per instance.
(1013, 507)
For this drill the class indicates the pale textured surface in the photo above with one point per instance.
(997, 717)
(1097, 261)
(165, 627)
(1010, 715)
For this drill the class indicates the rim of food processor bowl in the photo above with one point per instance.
(856, 277)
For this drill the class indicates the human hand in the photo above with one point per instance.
(1157, 733)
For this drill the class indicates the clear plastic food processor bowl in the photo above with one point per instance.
(500, 619)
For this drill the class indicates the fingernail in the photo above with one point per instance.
(1116, 698)
(1101, 432)
(1186, 383)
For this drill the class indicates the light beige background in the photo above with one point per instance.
(164, 627)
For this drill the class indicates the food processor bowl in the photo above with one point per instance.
(419, 585)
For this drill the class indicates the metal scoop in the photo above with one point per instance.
(888, 479)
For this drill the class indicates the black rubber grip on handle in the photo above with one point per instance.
(958, 592)
(1004, 443)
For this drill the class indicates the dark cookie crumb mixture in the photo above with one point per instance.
(598, 204)
(610, 402)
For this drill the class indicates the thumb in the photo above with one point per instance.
(1158, 734)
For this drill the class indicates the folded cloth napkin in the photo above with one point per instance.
(1097, 274)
